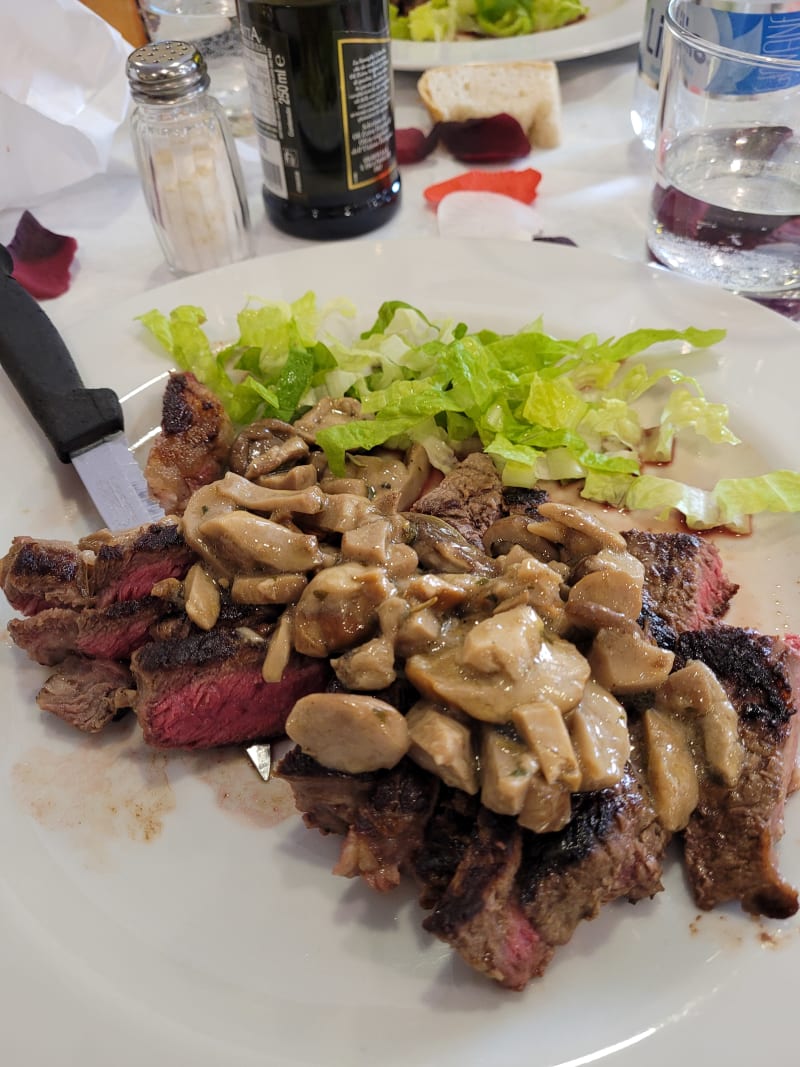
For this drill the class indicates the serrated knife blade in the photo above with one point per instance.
(84, 426)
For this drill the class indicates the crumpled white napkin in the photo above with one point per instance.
(63, 96)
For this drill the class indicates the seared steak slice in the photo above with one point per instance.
(99, 570)
(327, 799)
(87, 694)
(388, 827)
(447, 836)
(98, 633)
(40, 574)
(128, 564)
(480, 914)
(612, 847)
(470, 498)
(731, 837)
(193, 446)
(207, 690)
(683, 577)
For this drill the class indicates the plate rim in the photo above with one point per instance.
(617, 28)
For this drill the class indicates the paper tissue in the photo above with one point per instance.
(63, 96)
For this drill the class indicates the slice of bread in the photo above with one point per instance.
(527, 90)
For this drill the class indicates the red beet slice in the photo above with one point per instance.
(412, 145)
(41, 258)
(491, 140)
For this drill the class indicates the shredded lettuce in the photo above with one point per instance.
(444, 20)
(544, 408)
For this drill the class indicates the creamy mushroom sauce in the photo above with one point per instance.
(520, 655)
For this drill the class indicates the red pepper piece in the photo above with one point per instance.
(519, 184)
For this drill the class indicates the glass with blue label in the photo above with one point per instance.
(726, 202)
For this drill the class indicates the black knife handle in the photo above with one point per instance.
(37, 361)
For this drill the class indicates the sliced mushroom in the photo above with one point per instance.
(696, 688)
(202, 600)
(598, 728)
(387, 472)
(339, 608)
(613, 589)
(204, 504)
(344, 511)
(368, 543)
(670, 770)
(279, 650)
(443, 745)
(251, 541)
(353, 486)
(272, 589)
(349, 732)
(299, 477)
(541, 725)
(265, 447)
(625, 663)
(246, 494)
(557, 673)
(368, 667)
(541, 584)
(581, 522)
(329, 411)
(520, 530)
(441, 547)
(547, 806)
(506, 642)
(418, 631)
(507, 768)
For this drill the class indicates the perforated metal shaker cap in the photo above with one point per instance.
(166, 71)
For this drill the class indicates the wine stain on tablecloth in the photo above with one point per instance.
(112, 787)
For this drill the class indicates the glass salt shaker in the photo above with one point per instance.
(187, 159)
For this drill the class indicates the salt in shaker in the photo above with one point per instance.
(187, 159)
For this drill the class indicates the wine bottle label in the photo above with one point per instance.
(323, 111)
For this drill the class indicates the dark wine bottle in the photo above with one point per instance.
(320, 80)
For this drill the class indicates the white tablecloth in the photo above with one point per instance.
(594, 189)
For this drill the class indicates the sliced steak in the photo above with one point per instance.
(99, 570)
(730, 842)
(193, 446)
(87, 694)
(40, 574)
(470, 498)
(447, 836)
(128, 564)
(389, 826)
(480, 915)
(683, 577)
(98, 633)
(327, 799)
(206, 690)
(612, 847)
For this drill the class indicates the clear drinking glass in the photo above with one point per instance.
(726, 203)
(212, 26)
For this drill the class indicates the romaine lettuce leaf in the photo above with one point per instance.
(544, 408)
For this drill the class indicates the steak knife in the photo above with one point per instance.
(84, 426)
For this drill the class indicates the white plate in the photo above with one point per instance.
(168, 910)
(610, 24)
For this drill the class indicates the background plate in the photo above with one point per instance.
(172, 909)
(610, 24)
